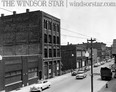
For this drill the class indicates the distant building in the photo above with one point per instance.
(95, 57)
(73, 57)
(100, 47)
(114, 49)
(30, 46)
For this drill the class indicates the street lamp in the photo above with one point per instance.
(87, 55)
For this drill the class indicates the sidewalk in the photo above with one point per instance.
(52, 80)
(111, 87)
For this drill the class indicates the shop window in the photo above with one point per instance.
(32, 73)
(12, 79)
(45, 24)
(13, 76)
(45, 38)
(50, 52)
(45, 53)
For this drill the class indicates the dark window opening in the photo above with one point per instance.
(45, 38)
(54, 27)
(54, 40)
(58, 28)
(50, 52)
(50, 25)
(58, 40)
(45, 24)
(54, 52)
(45, 53)
(50, 39)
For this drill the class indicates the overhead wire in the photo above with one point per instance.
(75, 32)
(73, 36)
(6, 9)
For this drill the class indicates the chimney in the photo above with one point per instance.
(67, 43)
(14, 12)
(2, 15)
(27, 10)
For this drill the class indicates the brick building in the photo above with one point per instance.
(73, 57)
(30, 47)
(100, 47)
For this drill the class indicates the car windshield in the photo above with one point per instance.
(80, 71)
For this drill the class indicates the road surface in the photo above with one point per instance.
(70, 84)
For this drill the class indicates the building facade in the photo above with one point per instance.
(30, 47)
(73, 57)
(100, 47)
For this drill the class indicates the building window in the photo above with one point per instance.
(45, 24)
(58, 28)
(45, 53)
(45, 38)
(32, 73)
(54, 53)
(54, 27)
(78, 53)
(13, 73)
(50, 25)
(54, 39)
(13, 76)
(58, 40)
(58, 52)
(50, 39)
(50, 52)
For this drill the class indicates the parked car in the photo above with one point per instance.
(97, 64)
(74, 73)
(80, 71)
(35, 88)
(81, 74)
(102, 62)
(40, 85)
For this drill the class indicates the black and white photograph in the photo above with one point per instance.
(57, 45)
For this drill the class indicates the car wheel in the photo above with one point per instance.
(41, 88)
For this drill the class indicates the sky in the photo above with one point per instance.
(80, 19)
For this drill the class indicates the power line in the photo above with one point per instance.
(73, 36)
(75, 32)
(6, 10)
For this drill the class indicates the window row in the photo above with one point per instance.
(49, 25)
(51, 39)
(13, 73)
(51, 52)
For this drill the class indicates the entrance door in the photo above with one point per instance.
(25, 71)
(40, 75)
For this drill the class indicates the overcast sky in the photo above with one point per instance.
(78, 23)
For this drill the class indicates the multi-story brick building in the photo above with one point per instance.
(73, 57)
(30, 47)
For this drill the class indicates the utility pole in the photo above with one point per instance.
(91, 40)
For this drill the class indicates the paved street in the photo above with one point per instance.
(68, 83)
